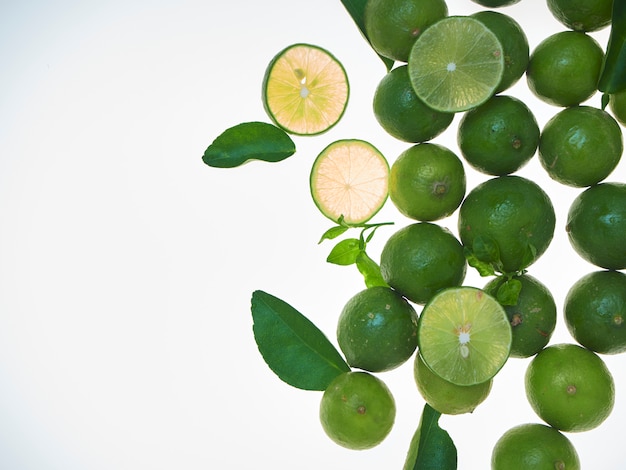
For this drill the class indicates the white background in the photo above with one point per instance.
(127, 265)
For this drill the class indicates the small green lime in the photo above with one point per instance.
(498, 137)
(427, 182)
(570, 387)
(377, 330)
(582, 15)
(421, 259)
(402, 114)
(534, 446)
(357, 410)
(595, 311)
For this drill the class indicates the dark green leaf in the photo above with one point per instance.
(345, 252)
(292, 346)
(483, 268)
(530, 255)
(356, 8)
(431, 448)
(249, 141)
(613, 75)
(509, 291)
(333, 232)
(486, 249)
(370, 270)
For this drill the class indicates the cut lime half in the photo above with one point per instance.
(350, 178)
(456, 64)
(305, 89)
(464, 335)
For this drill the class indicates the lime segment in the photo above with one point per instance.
(464, 335)
(350, 178)
(456, 64)
(305, 89)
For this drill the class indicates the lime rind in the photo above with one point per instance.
(456, 64)
(350, 179)
(305, 89)
(464, 335)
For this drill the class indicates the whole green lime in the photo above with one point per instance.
(564, 69)
(580, 146)
(377, 329)
(514, 44)
(570, 387)
(596, 225)
(402, 114)
(582, 15)
(507, 222)
(533, 315)
(357, 410)
(617, 105)
(427, 182)
(534, 446)
(392, 26)
(446, 397)
(498, 137)
(595, 311)
(421, 259)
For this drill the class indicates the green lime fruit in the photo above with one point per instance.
(377, 330)
(357, 410)
(421, 259)
(595, 311)
(580, 146)
(507, 222)
(564, 69)
(498, 137)
(570, 387)
(392, 26)
(532, 316)
(617, 105)
(456, 64)
(514, 44)
(427, 182)
(534, 446)
(350, 179)
(305, 89)
(596, 225)
(444, 396)
(402, 114)
(582, 15)
(464, 335)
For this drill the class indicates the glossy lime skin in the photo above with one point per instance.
(570, 387)
(534, 446)
(512, 213)
(377, 329)
(595, 311)
(596, 225)
(357, 410)
(533, 318)
(580, 146)
(421, 259)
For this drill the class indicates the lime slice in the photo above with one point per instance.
(464, 335)
(456, 64)
(350, 178)
(305, 89)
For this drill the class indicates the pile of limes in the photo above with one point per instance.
(417, 306)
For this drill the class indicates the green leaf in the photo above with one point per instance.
(370, 270)
(530, 255)
(486, 249)
(483, 268)
(509, 291)
(356, 8)
(613, 75)
(333, 232)
(431, 448)
(292, 346)
(345, 252)
(249, 141)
